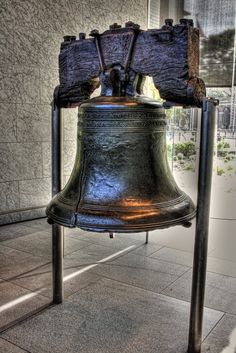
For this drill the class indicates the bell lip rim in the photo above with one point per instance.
(137, 228)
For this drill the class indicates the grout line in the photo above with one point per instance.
(150, 270)
(223, 219)
(14, 344)
(115, 255)
(21, 222)
(189, 301)
(24, 273)
(25, 317)
(221, 274)
(150, 255)
(19, 300)
(91, 242)
(150, 291)
(86, 286)
(20, 210)
(87, 268)
(26, 252)
(222, 317)
(222, 259)
(47, 257)
(171, 262)
(170, 284)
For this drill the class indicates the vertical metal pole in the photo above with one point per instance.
(147, 236)
(57, 230)
(202, 224)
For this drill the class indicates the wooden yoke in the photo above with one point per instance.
(126, 55)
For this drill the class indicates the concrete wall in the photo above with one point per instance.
(30, 36)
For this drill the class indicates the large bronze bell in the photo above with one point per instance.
(121, 181)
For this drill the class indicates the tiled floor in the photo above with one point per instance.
(121, 295)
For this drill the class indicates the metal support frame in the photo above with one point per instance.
(202, 224)
(57, 230)
(202, 218)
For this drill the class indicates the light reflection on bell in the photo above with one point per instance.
(121, 181)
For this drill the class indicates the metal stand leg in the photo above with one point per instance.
(202, 224)
(57, 254)
(57, 230)
(147, 236)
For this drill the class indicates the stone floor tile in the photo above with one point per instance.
(221, 266)
(178, 237)
(141, 271)
(135, 261)
(99, 252)
(40, 244)
(41, 280)
(118, 242)
(220, 291)
(75, 232)
(222, 338)
(110, 317)
(139, 237)
(89, 255)
(225, 243)
(181, 238)
(14, 262)
(174, 256)
(8, 347)
(13, 231)
(222, 240)
(39, 224)
(147, 249)
(16, 302)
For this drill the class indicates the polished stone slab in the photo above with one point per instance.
(110, 317)
(39, 224)
(35, 192)
(118, 242)
(41, 279)
(48, 78)
(221, 266)
(19, 216)
(20, 161)
(220, 291)
(147, 249)
(33, 122)
(222, 338)
(99, 252)
(224, 239)
(40, 244)
(6, 37)
(77, 271)
(174, 256)
(8, 122)
(69, 152)
(13, 231)
(141, 271)
(7, 347)
(9, 196)
(47, 161)
(177, 237)
(16, 302)
(180, 238)
(14, 262)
